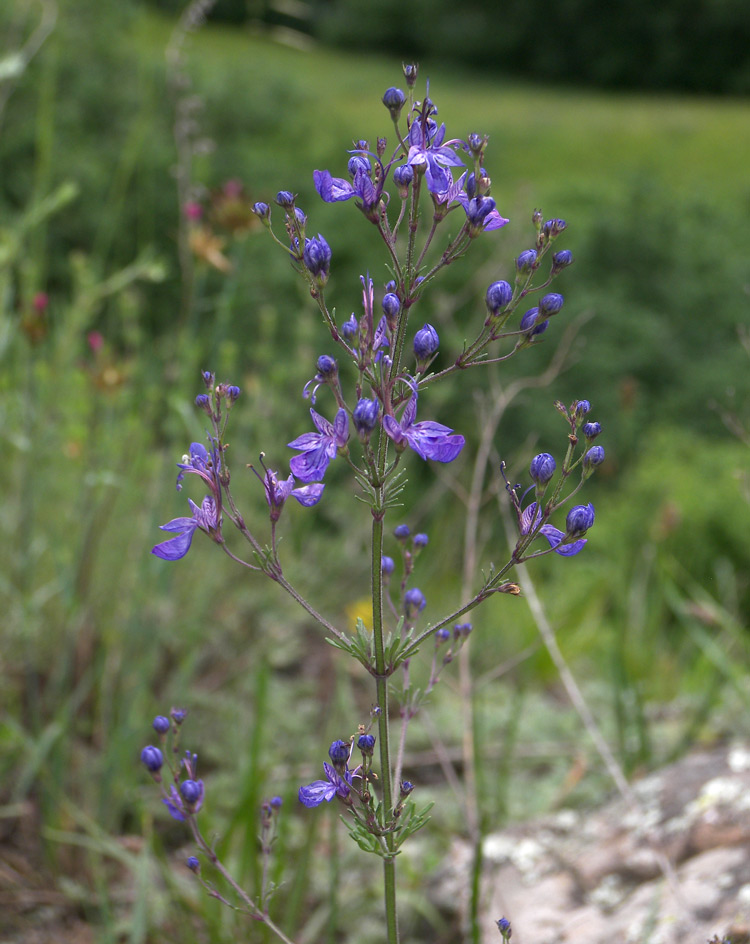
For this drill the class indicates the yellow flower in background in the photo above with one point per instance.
(360, 609)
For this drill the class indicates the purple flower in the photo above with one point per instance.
(206, 465)
(317, 257)
(530, 519)
(205, 518)
(428, 439)
(335, 189)
(317, 449)
(161, 724)
(481, 213)
(414, 602)
(429, 154)
(542, 468)
(277, 492)
(426, 343)
(319, 790)
(188, 800)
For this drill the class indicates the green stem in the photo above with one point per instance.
(381, 682)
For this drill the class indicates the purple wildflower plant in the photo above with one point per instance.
(279, 490)
(430, 440)
(318, 449)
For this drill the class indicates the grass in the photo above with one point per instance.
(98, 636)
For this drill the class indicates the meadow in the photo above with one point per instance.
(109, 310)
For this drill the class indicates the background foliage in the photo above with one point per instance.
(98, 636)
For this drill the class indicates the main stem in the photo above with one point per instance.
(381, 682)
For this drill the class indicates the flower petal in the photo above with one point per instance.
(309, 495)
(176, 548)
(332, 189)
(315, 793)
(554, 537)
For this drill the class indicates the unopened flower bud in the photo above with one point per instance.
(152, 759)
(276, 803)
(317, 257)
(366, 743)
(339, 753)
(426, 343)
(579, 520)
(285, 199)
(594, 457)
(499, 294)
(365, 417)
(262, 210)
(203, 402)
(542, 468)
(394, 99)
(553, 228)
(391, 307)
(405, 788)
(561, 259)
(387, 565)
(462, 630)
(419, 541)
(191, 792)
(476, 143)
(503, 926)
(414, 602)
(591, 430)
(161, 724)
(442, 635)
(402, 177)
(358, 163)
(551, 303)
(401, 532)
(531, 325)
(193, 863)
(350, 328)
(233, 393)
(582, 408)
(327, 367)
(410, 74)
(525, 262)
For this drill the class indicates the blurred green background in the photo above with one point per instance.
(112, 304)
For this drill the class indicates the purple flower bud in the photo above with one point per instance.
(426, 343)
(263, 210)
(525, 262)
(410, 73)
(161, 724)
(442, 635)
(387, 565)
(553, 228)
(366, 743)
(327, 367)
(594, 457)
(350, 328)
(475, 143)
(401, 532)
(394, 99)
(276, 803)
(403, 176)
(419, 541)
(152, 759)
(542, 468)
(358, 164)
(300, 217)
(203, 402)
(462, 630)
(503, 926)
(191, 791)
(478, 209)
(406, 787)
(561, 259)
(551, 303)
(317, 256)
(499, 294)
(365, 417)
(232, 393)
(178, 715)
(391, 306)
(531, 325)
(414, 602)
(579, 520)
(208, 378)
(193, 863)
(582, 408)
(285, 199)
(591, 430)
(339, 753)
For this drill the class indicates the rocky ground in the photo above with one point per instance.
(599, 878)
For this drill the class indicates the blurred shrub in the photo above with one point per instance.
(699, 45)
